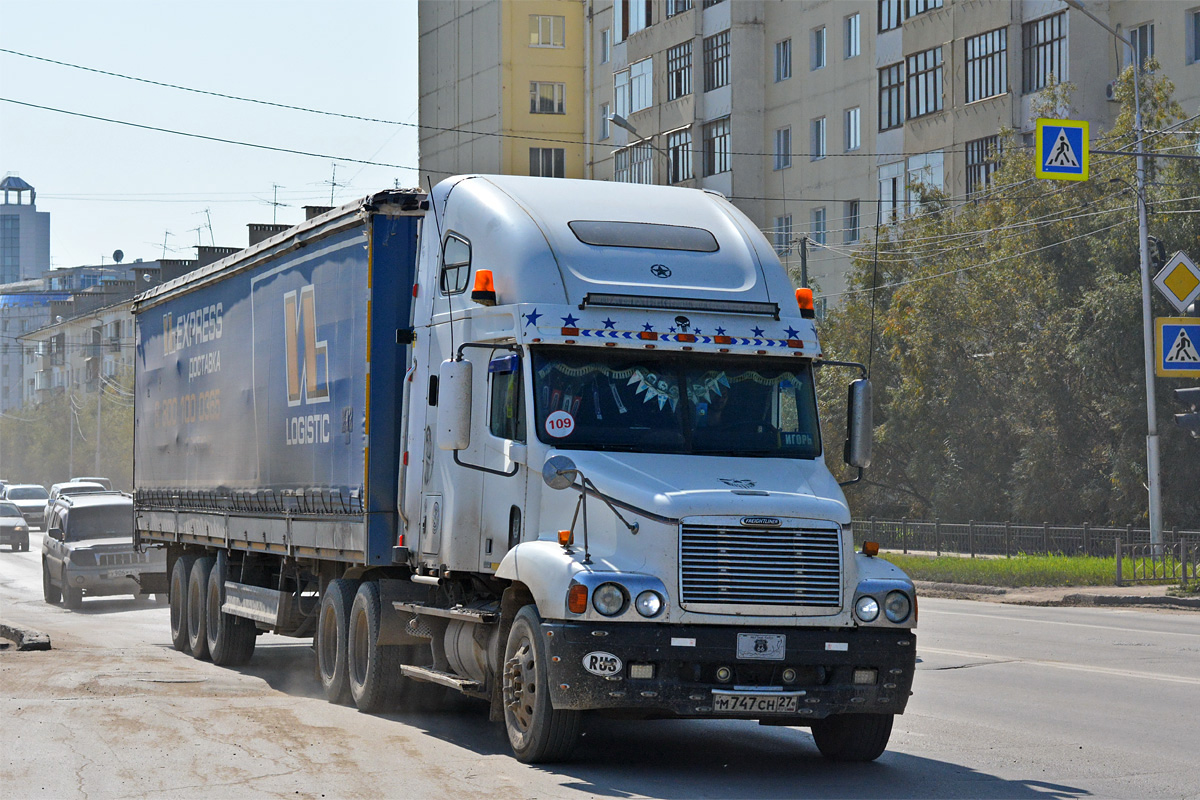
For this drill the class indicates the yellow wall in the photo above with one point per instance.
(522, 64)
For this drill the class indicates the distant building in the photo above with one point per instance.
(24, 232)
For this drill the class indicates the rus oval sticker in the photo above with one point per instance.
(560, 424)
(602, 664)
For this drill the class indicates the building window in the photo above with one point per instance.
(546, 98)
(10, 248)
(924, 172)
(678, 7)
(717, 146)
(853, 37)
(924, 85)
(817, 150)
(1143, 45)
(818, 225)
(679, 71)
(983, 159)
(889, 14)
(851, 222)
(914, 7)
(891, 189)
(853, 119)
(1043, 52)
(605, 129)
(783, 60)
(987, 64)
(891, 97)
(818, 48)
(1193, 37)
(716, 61)
(634, 164)
(783, 148)
(630, 16)
(621, 93)
(711, 3)
(547, 162)
(641, 80)
(679, 155)
(605, 45)
(781, 234)
(547, 31)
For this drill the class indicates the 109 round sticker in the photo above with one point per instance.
(560, 424)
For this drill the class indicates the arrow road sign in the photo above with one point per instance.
(1177, 347)
(1062, 149)
(1179, 281)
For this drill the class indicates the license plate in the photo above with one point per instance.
(730, 703)
(120, 573)
(761, 646)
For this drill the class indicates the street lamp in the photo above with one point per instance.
(621, 122)
(1152, 471)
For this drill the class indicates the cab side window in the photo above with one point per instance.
(456, 264)
(507, 418)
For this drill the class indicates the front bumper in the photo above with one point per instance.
(104, 581)
(13, 536)
(686, 661)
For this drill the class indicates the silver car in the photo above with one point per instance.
(14, 530)
(31, 499)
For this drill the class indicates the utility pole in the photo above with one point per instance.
(804, 262)
(99, 395)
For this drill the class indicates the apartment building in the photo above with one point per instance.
(818, 117)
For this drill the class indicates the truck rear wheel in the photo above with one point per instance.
(50, 592)
(177, 591)
(333, 620)
(537, 731)
(230, 639)
(853, 737)
(197, 613)
(373, 669)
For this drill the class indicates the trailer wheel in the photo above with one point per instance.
(373, 669)
(197, 614)
(852, 737)
(50, 592)
(332, 622)
(177, 592)
(72, 596)
(230, 639)
(537, 731)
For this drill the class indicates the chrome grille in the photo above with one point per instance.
(744, 566)
(123, 559)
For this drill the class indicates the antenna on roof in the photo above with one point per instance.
(333, 184)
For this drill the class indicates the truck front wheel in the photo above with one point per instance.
(853, 737)
(537, 731)
(177, 590)
(333, 620)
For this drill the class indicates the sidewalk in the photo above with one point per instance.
(1130, 596)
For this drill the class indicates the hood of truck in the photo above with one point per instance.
(677, 485)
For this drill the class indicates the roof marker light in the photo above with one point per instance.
(484, 292)
(804, 299)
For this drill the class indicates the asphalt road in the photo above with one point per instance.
(1009, 702)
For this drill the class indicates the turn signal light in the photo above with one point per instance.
(484, 292)
(564, 538)
(577, 599)
(870, 548)
(804, 299)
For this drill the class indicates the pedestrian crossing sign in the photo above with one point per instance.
(1062, 149)
(1178, 347)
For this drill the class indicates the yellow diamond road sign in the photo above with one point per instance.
(1179, 281)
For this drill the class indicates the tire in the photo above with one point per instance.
(230, 639)
(853, 737)
(197, 611)
(537, 732)
(25, 545)
(50, 593)
(373, 669)
(333, 619)
(177, 592)
(72, 597)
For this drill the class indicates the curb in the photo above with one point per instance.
(958, 588)
(1188, 603)
(26, 639)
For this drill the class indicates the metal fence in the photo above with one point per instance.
(1153, 563)
(1010, 538)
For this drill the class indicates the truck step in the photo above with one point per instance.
(464, 685)
(458, 612)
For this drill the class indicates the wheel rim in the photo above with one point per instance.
(520, 685)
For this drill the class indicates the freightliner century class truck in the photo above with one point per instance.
(553, 444)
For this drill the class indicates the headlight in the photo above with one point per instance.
(897, 606)
(609, 599)
(21, 529)
(649, 604)
(867, 608)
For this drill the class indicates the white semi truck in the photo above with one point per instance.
(549, 443)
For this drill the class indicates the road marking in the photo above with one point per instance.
(926, 610)
(1119, 673)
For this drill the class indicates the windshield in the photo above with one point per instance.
(26, 493)
(9, 510)
(101, 522)
(675, 403)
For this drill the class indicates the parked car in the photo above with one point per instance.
(89, 549)
(105, 482)
(30, 498)
(14, 530)
(69, 488)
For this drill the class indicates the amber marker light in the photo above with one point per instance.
(577, 599)
(564, 538)
(804, 299)
(484, 292)
(870, 548)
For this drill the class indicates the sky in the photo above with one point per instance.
(110, 186)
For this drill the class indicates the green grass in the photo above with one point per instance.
(1012, 572)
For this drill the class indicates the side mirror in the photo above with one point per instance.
(454, 405)
(55, 533)
(859, 424)
(559, 472)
